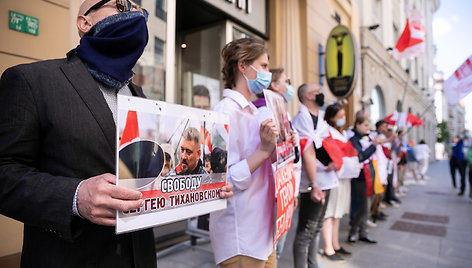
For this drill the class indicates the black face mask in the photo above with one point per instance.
(319, 99)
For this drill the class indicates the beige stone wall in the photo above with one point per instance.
(52, 41)
(315, 19)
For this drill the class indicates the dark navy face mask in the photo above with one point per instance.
(112, 47)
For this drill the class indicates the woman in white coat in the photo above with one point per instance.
(422, 152)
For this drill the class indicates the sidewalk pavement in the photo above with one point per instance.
(435, 232)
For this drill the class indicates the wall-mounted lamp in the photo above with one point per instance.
(373, 27)
(366, 99)
(336, 17)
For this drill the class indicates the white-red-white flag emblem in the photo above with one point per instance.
(411, 42)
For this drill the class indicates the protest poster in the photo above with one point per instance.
(284, 171)
(285, 148)
(161, 149)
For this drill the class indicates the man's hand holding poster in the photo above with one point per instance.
(284, 173)
(161, 151)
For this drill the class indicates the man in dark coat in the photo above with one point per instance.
(57, 148)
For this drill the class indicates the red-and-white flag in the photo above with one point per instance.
(131, 130)
(206, 141)
(459, 84)
(343, 154)
(402, 119)
(411, 42)
(338, 147)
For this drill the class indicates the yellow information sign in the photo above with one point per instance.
(341, 61)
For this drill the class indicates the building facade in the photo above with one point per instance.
(389, 85)
(299, 31)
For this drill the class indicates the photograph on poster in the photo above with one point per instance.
(285, 148)
(174, 155)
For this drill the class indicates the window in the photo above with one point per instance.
(160, 10)
(150, 71)
(399, 105)
(377, 109)
(158, 52)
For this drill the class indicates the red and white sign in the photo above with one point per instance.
(459, 84)
(150, 154)
(285, 186)
(411, 42)
(284, 171)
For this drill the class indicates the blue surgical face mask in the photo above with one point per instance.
(341, 122)
(288, 95)
(261, 82)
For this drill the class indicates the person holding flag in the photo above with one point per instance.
(339, 198)
(318, 175)
(382, 155)
(365, 149)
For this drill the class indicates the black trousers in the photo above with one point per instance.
(470, 181)
(310, 221)
(358, 222)
(461, 166)
(390, 192)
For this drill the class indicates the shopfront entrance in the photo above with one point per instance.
(201, 33)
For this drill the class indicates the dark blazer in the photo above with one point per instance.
(55, 130)
(356, 143)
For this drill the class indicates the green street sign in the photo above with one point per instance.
(23, 23)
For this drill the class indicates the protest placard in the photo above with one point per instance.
(284, 172)
(285, 149)
(161, 149)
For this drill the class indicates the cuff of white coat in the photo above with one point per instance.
(240, 175)
(75, 210)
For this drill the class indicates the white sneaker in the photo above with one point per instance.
(382, 205)
(394, 204)
(371, 223)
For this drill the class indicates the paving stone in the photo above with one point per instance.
(395, 249)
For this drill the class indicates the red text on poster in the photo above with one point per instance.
(285, 187)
